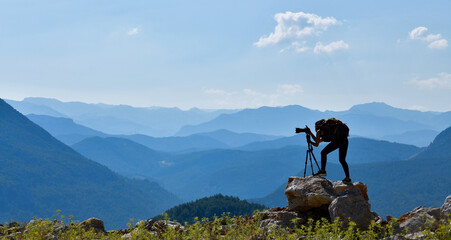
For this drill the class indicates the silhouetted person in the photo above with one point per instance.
(335, 132)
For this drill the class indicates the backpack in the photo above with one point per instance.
(329, 129)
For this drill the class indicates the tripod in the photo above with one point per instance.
(309, 154)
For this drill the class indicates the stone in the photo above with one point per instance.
(419, 219)
(445, 210)
(340, 186)
(93, 223)
(279, 217)
(306, 193)
(351, 206)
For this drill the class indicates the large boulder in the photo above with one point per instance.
(419, 219)
(351, 205)
(306, 193)
(445, 210)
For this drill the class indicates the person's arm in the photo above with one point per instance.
(317, 139)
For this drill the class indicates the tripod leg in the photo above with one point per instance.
(316, 161)
(305, 166)
(311, 164)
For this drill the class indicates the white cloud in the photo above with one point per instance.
(133, 31)
(297, 47)
(435, 40)
(432, 37)
(443, 81)
(439, 44)
(331, 47)
(418, 32)
(295, 26)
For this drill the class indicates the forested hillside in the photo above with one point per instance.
(39, 175)
(209, 207)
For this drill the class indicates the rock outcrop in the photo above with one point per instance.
(351, 205)
(307, 193)
(317, 197)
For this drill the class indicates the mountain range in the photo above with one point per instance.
(370, 120)
(243, 173)
(39, 175)
(118, 119)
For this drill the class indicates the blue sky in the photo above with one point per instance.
(326, 55)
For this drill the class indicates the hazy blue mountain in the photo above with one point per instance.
(383, 110)
(64, 129)
(373, 120)
(420, 138)
(249, 174)
(69, 132)
(440, 147)
(295, 140)
(396, 187)
(39, 175)
(123, 156)
(30, 108)
(123, 119)
(234, 172)
(245, 174)
(178, 144)
(233, 139)
(265, 120)
(360, 150)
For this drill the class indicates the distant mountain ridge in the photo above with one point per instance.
(118, 119)
(39, 175)
(364, 120)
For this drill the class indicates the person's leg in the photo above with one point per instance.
(329, 148)
(342, 151)
(342, 139)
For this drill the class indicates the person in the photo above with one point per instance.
(336, 133)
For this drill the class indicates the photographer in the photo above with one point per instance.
(335, 132)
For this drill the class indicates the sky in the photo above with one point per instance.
(326, 55)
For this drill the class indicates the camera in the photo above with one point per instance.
(303, 130)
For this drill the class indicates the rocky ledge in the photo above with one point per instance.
(318, 198)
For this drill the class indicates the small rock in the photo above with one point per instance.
(418, 219)
(445, 210)
(93, 223)
(279, 217)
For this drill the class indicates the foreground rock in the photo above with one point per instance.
(94, 224)
(317, 197)
(351, 205)
(445, 210)
(307, 193)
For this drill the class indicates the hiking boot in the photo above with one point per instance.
(346, 180)
(321, 173)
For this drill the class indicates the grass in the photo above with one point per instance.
(226, 227)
